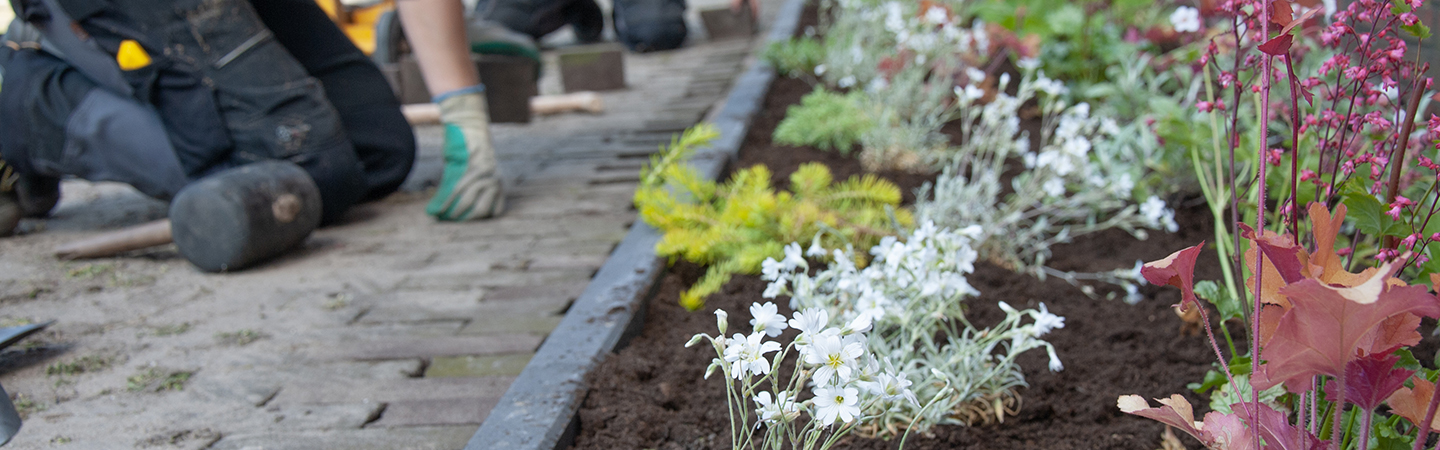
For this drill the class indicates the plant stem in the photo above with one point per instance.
(1365, 428)
(1397, 159)
(1262, 122)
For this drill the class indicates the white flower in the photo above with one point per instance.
(969, 93)
(872, 304)
(936, 15)
(793, 257)
(1054, 187)
(783, 409)
(1185, 19)
(1155, 211)
(766, 320)
(1055, 365)
(810, 322)
(815, 250)
(1132, 294)
(1049, 86)
(1026, 64)
(859, 324)
(770, 269)
(975, 75)
(892, 387)
(1007, 308)
(1046, 322)
(819, 69)
(846, 82)
(774, 289)
(747, 354)
(836, 403)
(836, 359)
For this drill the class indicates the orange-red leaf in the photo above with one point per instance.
(1326, 327)
(1177, 270)
(1279, 250)
(1411, 403)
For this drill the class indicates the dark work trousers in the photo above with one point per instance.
(231, 84)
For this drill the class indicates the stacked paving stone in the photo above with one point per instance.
(387, 331)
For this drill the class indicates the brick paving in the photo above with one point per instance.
(387, 331)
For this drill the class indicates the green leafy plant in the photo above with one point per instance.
(825, 120)
(795, 57)
(733, 227)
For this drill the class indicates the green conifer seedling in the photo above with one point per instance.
(732, 227)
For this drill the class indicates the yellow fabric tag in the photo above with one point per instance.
(131, 56)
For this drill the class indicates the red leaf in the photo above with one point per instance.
(1279, 251)
(1277, 431)
(1280, 13)
(1327, 326)
(1369, 380)
(1177, 270)
(1278, 46)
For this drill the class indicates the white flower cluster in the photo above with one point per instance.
(845, 379)
(1081, 180)
(913, 291)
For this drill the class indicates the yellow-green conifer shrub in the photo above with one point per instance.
(732, 227)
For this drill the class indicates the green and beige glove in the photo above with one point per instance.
(470, 186)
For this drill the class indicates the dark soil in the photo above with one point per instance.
(651, 394)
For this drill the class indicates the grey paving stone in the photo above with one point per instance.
(448, 411)
(313, 392)
(403, 348)
(566, 291)
(478, 366)
(467, 281)
(416, 438)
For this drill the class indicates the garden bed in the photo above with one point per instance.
(651, 394)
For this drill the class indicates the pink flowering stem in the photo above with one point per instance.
(1397, 159)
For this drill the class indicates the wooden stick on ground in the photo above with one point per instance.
(119, 241)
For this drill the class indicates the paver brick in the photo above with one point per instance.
(401, 348)
(330, 391)
(432, 412)
(478, 366)
(466, 281)
(417, 438)
(567, 291)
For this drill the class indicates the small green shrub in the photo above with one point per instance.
(825, 120)
(795, 58)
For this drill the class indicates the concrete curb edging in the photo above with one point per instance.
(538, 412)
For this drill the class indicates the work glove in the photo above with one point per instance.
(470, 185)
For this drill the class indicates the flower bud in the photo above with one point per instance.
(694, 340)
(721, 321)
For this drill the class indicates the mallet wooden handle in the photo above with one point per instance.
(578, 101)
(119, 241)
(429, 113)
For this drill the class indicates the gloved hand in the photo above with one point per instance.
(470, 185)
